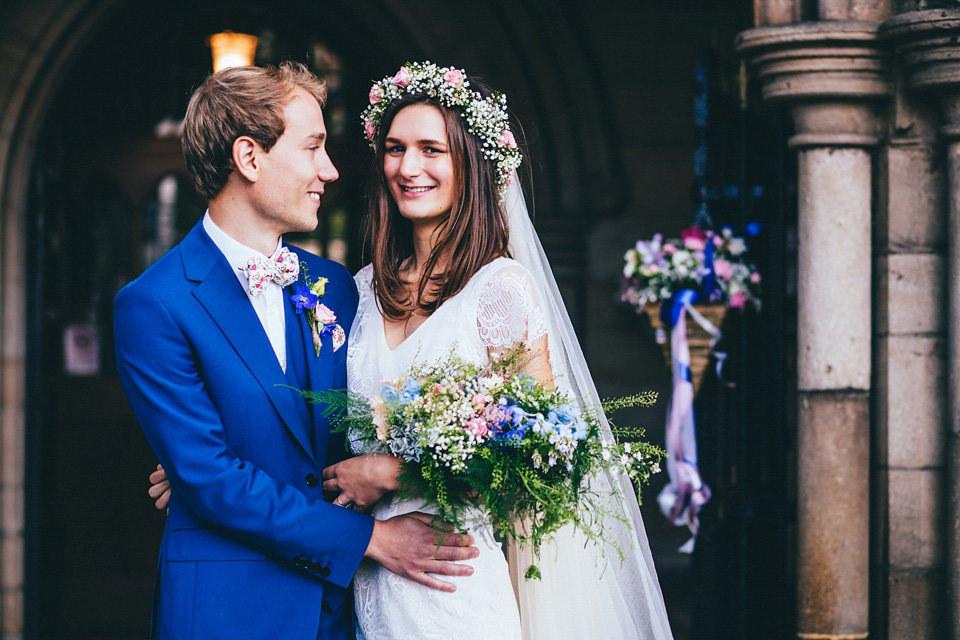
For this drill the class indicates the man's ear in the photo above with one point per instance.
(246, 157)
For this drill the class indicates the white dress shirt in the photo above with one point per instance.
(269, 304)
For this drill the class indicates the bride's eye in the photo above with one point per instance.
(394, 149)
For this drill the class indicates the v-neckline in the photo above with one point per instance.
(383, 330)
(383, 320)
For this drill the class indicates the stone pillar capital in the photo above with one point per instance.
(927, 44)
(832, 75)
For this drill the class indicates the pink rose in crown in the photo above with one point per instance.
(478, 401)
(669, 249)
(737, 300)
(755, 277)
(723, 269)
(694, 239)
(369, 129)
(453, 77)
(402, 78)
(376, 94)
(507, 140)
(508, 179)
(324, 315)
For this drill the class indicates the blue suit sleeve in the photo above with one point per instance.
(160, 375)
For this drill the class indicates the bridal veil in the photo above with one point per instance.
(585, 592)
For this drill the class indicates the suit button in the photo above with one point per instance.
(324, 571)
(311, 480)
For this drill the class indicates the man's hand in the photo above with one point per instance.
(407, 545)
(362, 480)
(159, 488)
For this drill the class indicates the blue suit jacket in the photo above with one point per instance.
(250, 548)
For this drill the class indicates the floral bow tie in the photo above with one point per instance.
(283, 267)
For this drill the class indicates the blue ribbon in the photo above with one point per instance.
(672, 307)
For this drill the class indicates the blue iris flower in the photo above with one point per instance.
(303, 298)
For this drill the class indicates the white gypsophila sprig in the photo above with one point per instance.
(486, 118)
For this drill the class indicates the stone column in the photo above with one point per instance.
(875, 10)
(928, 50)
(832, 76)
(766, 12)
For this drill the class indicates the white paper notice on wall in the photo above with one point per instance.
(81, 350)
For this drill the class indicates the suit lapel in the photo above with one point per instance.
(221, 294)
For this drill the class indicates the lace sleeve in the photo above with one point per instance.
(508, 309)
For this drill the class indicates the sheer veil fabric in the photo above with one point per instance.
(585, 591)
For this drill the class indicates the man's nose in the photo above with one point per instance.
(326, 171)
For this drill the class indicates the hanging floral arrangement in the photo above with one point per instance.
(705, 263)
(702, 274)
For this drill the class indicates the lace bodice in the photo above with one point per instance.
(496, 309)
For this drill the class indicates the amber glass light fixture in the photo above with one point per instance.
(232, 49)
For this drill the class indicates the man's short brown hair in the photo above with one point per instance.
(235, 102)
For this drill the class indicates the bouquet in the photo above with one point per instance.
(497, 440)
(702, 261)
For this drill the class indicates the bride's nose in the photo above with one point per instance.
(410, 164)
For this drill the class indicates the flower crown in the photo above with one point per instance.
(486, 117)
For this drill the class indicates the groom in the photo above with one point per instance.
(208, 346)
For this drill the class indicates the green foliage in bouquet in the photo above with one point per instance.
(497, 442)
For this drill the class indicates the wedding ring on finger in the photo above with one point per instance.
(345, 505)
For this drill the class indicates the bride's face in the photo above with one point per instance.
(418, 164)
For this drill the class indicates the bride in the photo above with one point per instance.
(456, 265)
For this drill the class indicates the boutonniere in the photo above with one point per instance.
(322, 320)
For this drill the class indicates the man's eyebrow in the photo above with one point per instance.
(319, 137)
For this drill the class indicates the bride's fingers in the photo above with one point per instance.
(158, 476)
(329, 473)
(157, 490)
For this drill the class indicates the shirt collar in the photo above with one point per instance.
(236, 253)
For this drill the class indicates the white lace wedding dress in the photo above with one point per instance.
(497, 308)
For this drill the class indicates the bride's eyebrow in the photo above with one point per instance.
(425, 142)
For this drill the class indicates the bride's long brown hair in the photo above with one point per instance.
(473, 235)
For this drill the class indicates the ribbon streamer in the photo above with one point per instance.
(686, 493)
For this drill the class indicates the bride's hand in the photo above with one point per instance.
(159, 488)
(362, 480)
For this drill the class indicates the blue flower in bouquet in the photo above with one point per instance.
(519, 415)
(411, 389)
(568, 422)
